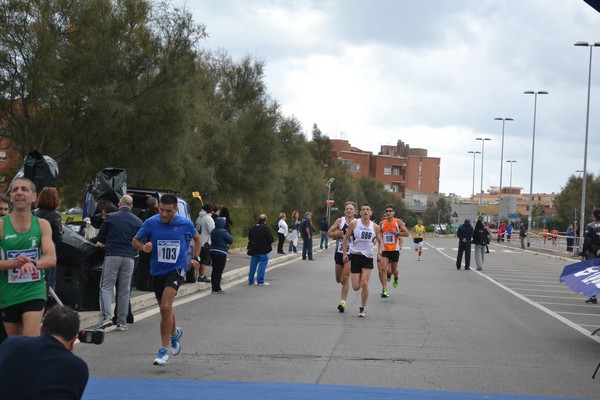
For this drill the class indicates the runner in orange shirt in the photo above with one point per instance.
(392, 230)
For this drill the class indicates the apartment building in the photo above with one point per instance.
(398, 167)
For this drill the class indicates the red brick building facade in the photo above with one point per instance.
(397, 167)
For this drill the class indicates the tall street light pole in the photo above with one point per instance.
(511, 165)
(579, 171)
(482, 154)
(530, 217)
(328, 184)
(585, 145)
(473, 191)
(501, 160)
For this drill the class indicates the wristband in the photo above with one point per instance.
(34, 263)
(197, 258)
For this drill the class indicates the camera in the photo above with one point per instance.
(95, 336)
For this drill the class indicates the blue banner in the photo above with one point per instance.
(583, 277)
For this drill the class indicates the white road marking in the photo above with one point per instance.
(551, 313)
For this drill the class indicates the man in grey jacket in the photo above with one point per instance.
(116, 233)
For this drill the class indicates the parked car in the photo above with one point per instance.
(441, 229)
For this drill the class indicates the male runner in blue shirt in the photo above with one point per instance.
(168, 235)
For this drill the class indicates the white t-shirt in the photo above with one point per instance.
(363, 239)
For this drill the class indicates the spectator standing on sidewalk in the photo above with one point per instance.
(47, 203)
(225, 214)
(220, 240)
(464, 233)
(591, 243)
(523, 235)
(488, 234)
(509, 231)
(205, 224)
(480, 241)
(282, 230)
(116, 233)
(260, 244)
(570, 238)
(294, 234)
(306, 229)
(143, 277)
(324, 228)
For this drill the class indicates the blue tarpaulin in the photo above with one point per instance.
(583, 277)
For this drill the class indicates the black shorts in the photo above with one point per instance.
(339, 258)
(14, 313)
(173, 279)
(418, 240)
(393, 256)
(205, 255)
(358, 262)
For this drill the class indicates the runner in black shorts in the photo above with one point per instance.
(363, 232)
(12, 314)
(166, 236)
(342, 269)
(393, 230)
(173, 279)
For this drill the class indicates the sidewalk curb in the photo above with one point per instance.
(140, 303)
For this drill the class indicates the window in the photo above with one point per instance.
(347, 164)
(396, 171)
(387, 170)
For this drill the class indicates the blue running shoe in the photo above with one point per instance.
(162, 358)
(176, 341)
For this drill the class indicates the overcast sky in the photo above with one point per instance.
(432, 73)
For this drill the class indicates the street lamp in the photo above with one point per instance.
(530, 217)
(579, 171)
(585, 145)
(474, 153)
(511, 165)
(329, 182)
(501, 159)
(482, 154)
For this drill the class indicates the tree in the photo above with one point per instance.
(538, 209)
(438, 212)
(100, 83)
(321, 147)
(569, 199)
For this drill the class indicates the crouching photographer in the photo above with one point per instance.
(44, 367)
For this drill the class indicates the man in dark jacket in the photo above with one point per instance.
(591, 243)
(464, 233)
(116, 233)
(43, 367)
(260, 241)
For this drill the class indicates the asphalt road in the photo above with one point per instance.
(509, 329)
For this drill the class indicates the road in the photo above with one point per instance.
(511, 329)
